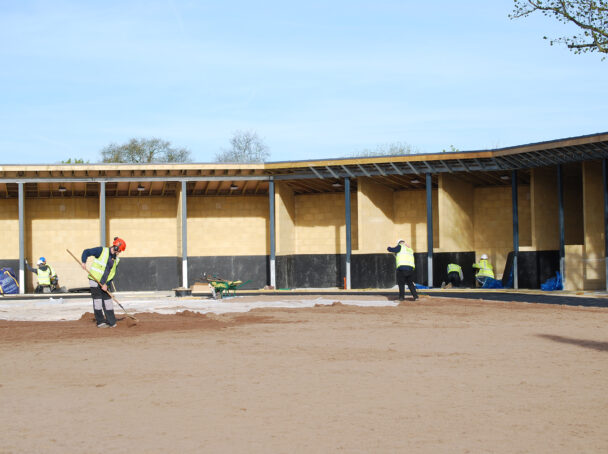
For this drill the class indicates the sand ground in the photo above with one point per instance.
(436, 376)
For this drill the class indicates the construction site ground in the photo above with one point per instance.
(307, 371)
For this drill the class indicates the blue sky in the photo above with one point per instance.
(314, 79)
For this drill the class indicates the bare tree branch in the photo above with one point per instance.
(591, 16)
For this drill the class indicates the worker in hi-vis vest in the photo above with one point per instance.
(404, 261)
(103, 271)
(454, 276)
(47, 278)
(484, 270)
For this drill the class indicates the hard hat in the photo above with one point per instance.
(119, 243)
(484, 257)
(41, 260)
(400, 241)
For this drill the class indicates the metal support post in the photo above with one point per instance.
(348, 229)
(562, 241)
(102, 213)
(21, 240)
(429, 227)
(271, 208)
(184, 235)
(515, 228)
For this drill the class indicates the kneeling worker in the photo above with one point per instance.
(103, 270)
(47, 278)
(454, 275)
(484, 270)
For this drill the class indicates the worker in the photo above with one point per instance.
(484, 270)
(101, 274)
(47, 278)
(454, 276)
(404, 261)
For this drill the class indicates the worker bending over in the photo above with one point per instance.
(404, 261)
(454, 276)
(484, 270)
(101, 274)
(47, 278)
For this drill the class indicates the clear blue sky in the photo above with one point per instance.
(315, 79)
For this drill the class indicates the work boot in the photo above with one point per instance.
(110, 317)
(99, 318)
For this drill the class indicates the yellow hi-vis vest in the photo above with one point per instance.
(485, 269)
(453, 267)
(44, 277)
(99, 265)
(405, 257)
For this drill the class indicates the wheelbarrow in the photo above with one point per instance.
(222, 287)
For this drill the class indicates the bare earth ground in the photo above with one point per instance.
(436, 376)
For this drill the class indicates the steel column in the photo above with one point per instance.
(605, 178)
(271, 209)
(515, 228)
(348, 229)
(562, 240)
(184, 235)
(21, 240)
(102, 213)
(429, 227)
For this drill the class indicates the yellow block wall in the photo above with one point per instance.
(544, 208)
(321, 225)
(376, 226)
(456, 213)
(574, 231)
(9, 223)
(147, 224)
(493, 223)
(285, 219)
(54, 225)
(410, 218)
(574, 272)
(594, 267)
(228, 226)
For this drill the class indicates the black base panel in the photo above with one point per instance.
(147, 273)
(254, 268)
(533, 267)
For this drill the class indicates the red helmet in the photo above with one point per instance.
(119, 244)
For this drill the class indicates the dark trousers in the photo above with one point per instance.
(454, 278)
(405, 275)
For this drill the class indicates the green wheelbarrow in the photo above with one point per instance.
(222, 287)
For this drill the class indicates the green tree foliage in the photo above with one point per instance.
(591, 16)
(389, 149)
(245, 147)
(140, 151)
(74, 161)
(452, 149)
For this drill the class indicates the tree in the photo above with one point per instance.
(74, 161)
(144, 151)
(245, 147)
(389, 149)
(591, 16)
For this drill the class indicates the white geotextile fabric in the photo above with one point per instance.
(56, 308)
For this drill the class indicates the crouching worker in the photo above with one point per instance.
(101, 274)
(484, 270)
(454, 275)
(47, 278)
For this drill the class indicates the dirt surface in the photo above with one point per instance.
(436, 376)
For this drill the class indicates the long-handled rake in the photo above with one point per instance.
(107, 291)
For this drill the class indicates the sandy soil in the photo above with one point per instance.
(436, 376)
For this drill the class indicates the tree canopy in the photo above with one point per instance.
(389, 149)
(591, 16)
(139, 151)
(245, 147)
